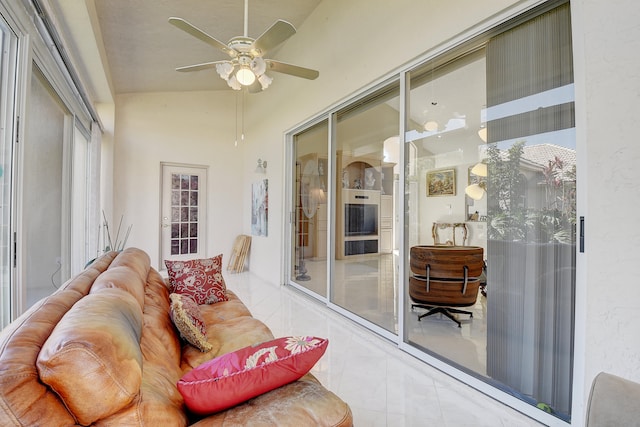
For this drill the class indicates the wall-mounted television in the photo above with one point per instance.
(360, 219)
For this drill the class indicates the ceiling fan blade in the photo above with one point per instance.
(293, 70)
(275, 34)
(199, 34)
(198, 67)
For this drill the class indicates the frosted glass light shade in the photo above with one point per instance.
(479, 169)
(482, 133)
(431, 126)
(475, 191)
(265, 81)
(245, 76)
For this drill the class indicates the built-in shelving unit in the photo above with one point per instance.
(364, 208)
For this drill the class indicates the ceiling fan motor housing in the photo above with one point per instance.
(246, 64)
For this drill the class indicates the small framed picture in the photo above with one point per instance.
(441, 182)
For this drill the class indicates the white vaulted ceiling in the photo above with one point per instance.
(139, 50)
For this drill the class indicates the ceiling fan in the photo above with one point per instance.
(247, 66)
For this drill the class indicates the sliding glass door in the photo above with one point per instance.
(531, 190)
(365, 280)
(444, 140)
(310, 215)
(360, 236)
(8, 42)
(467, 172)
(494, 170)
(44, 186)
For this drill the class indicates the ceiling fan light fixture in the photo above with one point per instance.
(475, 191)
(265, 81)
(233, 83)
(431, 126)
(479, 169)
(246, 63)
(482, 133)
(224, 70)
(258, 66)
(245, 76)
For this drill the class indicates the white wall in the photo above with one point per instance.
(607, 77)
(190, 128)
(107, 116)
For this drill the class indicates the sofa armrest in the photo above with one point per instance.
(613, 401)
(301, 403)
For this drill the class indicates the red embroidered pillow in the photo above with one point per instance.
(185, 314)
(201, 279)
(235, 377)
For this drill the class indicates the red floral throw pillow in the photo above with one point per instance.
(201, 279)
(186, 316)
(235, 377)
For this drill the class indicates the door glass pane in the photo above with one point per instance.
(309, 246)
(79, 208)
(43, 187)
(184, 224)
(7, 65)
(183, 213)
(491, 176)
(367, 164)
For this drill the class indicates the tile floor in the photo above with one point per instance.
(383, 385)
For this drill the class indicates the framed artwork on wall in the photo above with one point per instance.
(441, 182)
(260, 208)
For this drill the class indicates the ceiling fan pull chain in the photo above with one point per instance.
(236, 127)
(242, 135)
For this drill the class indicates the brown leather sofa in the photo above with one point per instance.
(102, 350)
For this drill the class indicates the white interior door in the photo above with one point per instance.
(183, 212)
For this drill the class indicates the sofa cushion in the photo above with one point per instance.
(128, 272)
(159, 402)
(234, 377)
(187, 318)
(201, 279)
(23, 397)
(92, 359)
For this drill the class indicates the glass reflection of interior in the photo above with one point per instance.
(491, 165)
(488, 204)
(366, 185)
(309, 246)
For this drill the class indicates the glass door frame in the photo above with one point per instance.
(32, 51)
(473, 36)
(10, 83)
(289, 221)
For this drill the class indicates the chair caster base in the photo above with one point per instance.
(447, 311)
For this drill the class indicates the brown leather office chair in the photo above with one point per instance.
(445, 278)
